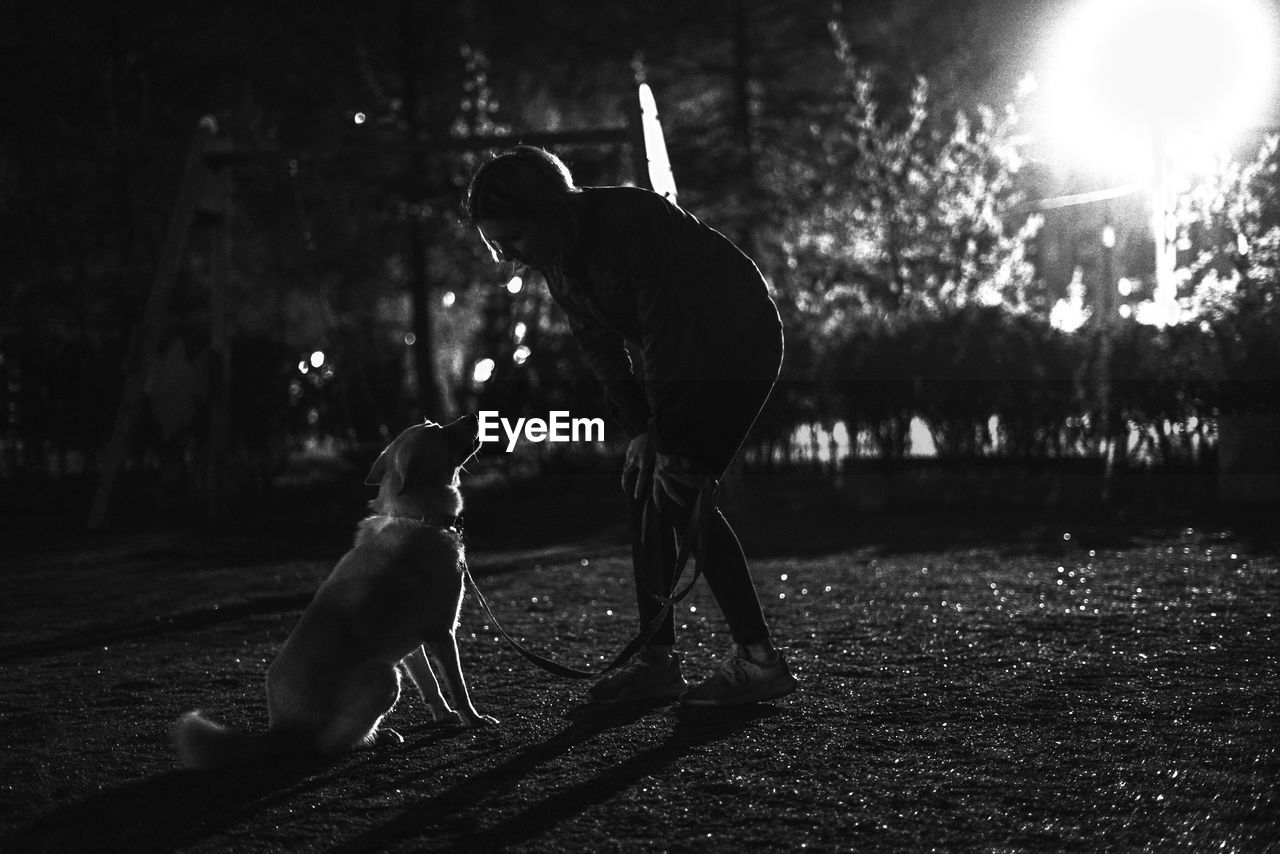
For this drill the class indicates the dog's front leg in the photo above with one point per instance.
(446, 665)
(429, 687)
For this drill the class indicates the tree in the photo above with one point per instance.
(880, 216)
(901, 212)
(1229, 222)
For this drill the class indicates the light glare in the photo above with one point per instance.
(1193, 73)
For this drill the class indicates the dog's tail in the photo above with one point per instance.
(204, 744)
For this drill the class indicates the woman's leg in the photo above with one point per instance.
(729, 578)
(724, 567)
(655, 673)
(654, 563)
(718, 427)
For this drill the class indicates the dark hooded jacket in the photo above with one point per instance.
(646, 272)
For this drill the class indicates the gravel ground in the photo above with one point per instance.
(1058, 688)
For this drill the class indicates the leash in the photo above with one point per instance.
(643, 548)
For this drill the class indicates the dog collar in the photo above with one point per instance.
(436, 520)
(440, 520)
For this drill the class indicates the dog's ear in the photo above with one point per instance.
(414, 471)
(379, 470)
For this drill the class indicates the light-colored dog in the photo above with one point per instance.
(393, 599)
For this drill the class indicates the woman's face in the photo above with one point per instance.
(525, 241)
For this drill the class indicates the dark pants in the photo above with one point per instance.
(717, 426)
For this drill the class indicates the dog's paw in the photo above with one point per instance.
(387, 737)
(480, 721)
(447, 717)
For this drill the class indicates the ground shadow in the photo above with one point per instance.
(181, 807)
(160, 813)
(694, 728)
(96, 636)
(457, 806)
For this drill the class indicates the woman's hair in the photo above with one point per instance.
(522, 182)
(527, 182)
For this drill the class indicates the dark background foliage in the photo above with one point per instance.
(868, 155)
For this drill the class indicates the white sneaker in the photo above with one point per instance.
(742, 679)
(648, 676)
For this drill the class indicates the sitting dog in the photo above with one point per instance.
(393, 599)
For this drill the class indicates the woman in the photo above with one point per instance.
(626, 265)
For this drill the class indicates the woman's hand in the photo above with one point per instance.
(671, 473)
(665, 474)
(638, 468)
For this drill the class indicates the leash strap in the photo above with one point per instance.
(651, 550)
(693, 540)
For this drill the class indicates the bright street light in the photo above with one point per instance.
(1144, 90)
(1199, 70)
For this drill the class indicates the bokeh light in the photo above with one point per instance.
(483, 370)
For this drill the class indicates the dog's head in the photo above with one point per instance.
(425, 455)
